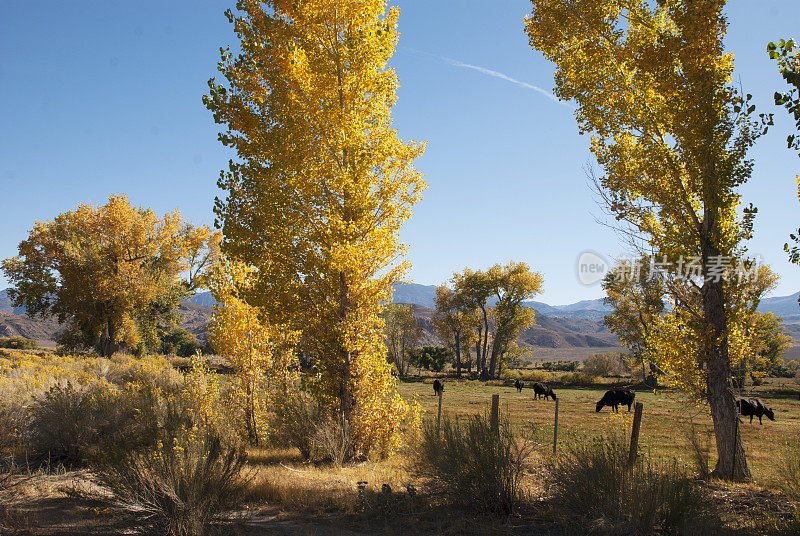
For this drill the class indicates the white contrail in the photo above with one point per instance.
(489, 72)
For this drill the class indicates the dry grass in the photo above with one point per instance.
(280, 479)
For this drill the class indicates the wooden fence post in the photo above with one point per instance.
(495, 418)
(439, 415)
(555, 429)
(637, 421)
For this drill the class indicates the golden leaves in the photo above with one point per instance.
(324, 184)
(101, 267)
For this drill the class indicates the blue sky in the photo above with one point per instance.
(105, 96)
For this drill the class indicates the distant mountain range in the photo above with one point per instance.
(572, 328)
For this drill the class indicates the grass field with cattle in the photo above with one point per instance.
(667, 418)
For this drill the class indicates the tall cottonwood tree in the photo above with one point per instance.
(652, 84)
(321, 185)
(490, 302)
(110, 273)
(473, 290)
(511, 285)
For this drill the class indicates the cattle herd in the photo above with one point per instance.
(614, 398)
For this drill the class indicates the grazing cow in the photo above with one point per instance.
(542, 389)
(438, 387)
(754, 407)
(519, 384)
(615, 397)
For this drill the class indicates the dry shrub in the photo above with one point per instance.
(332, 438)
(181, 484)
(593, 480)
(61, 428)
(472, 464)
(303, 423)
(296, 418)
(72, 425)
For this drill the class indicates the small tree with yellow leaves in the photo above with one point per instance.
(260, 354)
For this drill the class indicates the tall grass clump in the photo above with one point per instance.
(471, 463)
(789, 467)
(594, 481)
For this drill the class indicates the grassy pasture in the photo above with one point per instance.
(665, 422)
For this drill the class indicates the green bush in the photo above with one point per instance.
(432, 358)
(181, 483)
(18, 343)
(593, 480)
(785, 370)
(179, 342)
(576, 378)
(564, 366)
(473, 464)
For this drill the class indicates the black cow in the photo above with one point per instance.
(754, 407)
(519, 384)
(438, 387)
(542, 389)
(615, 398)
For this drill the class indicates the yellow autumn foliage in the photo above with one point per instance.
(319, 192)
(261, 355)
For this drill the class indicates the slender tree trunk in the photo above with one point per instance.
(731, 459)
(644, 372)
(478, 354)
(478, 349)
(344, 387)
(345, 399)
(458, 354)
(486, 338)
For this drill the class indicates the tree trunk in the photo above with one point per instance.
(486, 338)
(731, 460)
(496, 345)
(644, 372)
(345, 401)
(458, 354)
(106, 345)
(478, 354)
(478, 350)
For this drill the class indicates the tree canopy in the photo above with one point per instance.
(111, 273)
(652, 84)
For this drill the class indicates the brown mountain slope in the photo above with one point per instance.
(548, 332)
(194, 319)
